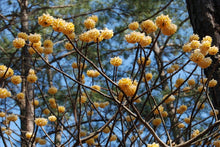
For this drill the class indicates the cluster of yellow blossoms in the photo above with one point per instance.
(153, 145)
(92, 73)
(96, 35)
(31, 76)
(128, 87)
(4, 93)
(116, 61)
(148, 26)
(200, 50)
(6, 72)
(40, 121)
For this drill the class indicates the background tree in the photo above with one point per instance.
(205, 21)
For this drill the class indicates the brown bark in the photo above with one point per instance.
(26, 108)
(205, 19)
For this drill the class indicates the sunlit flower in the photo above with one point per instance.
(48, 44)
(213, 50)
(212, 83)
(40, 121)
(187, 47)
(133, 26)
(23, 36)
(89, 23)
(134, 37)
(169, 30)
(45, 20)
(58, 25)
(148, 26)
(61, 109)
(69, 28)
(16, 79)
(52, 118)
(193, 37)
(12, 117)
(156, 122)
(181, 125)
(206, 62)
(153, 145)
(52, 90)
(92, 73)
(145, 41)
(18, 42)
(162, 21)
(34, 38)
(116, 61)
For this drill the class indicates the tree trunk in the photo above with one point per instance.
(205, 19)
(26, 107)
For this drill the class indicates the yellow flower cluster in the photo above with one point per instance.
(45, 20)
(4, 93)
(2, 114)
(200, 105)
(148, 77)
(12, 117)
(181, 125)
(92, 73)
(187, 120)
(141, 61)
(74, 65)
(96, 87)
(23, 36)
(195, 133)
(133, 26)
(40, 121)
(201, 50)
(53, 103)
(96, 35)
(191, 82)
(28, 135)
(129, 118)
(61, 109)
(171, 98)
(156, 122)
(160, 108)
(52, 90)
(82, 99)
(181, 109)
(113, 138)
(16, 79)
(216, 143)
(134, 37)
(34, 38)
(35, 102)
(213, 113)
(31, 76)
(179, 82)
(164, 23)
(104, 104)
(212, 83)
(153, 145)
(127, 86)
(68, 46)
(48, 47)
(20, 96)
(18, 42)
(148, 26)
(46, 111)
(116, 61)
(3, 72)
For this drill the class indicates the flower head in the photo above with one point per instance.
(34, 38)
(148, 26)
(18, 42)
(40, 121)
(163, 21)
(16, 79)
(45, 20)
(133, 26)
(116, 61)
